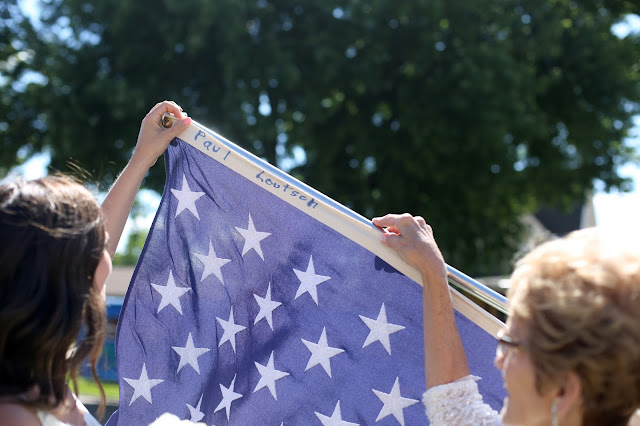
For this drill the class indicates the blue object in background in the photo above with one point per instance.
(106, 367)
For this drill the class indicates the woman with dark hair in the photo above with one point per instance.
(56, 246)
(570, 351)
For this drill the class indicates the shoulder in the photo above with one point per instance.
(16, 414)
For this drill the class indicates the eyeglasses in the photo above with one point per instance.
(505, 343)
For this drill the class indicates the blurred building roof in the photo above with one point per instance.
(118, 281)
(544, 225)
(561, 223)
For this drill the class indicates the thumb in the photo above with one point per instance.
(179, 126)
(390, 240)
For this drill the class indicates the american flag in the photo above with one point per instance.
(248, 306)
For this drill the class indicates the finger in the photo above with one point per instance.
(176, 106)
(178, 127)
(171, 107)
(403, 224)
(386, 221)
(162, 107)
(399, 224)
(392, 230)
(391, 240)
(389, 230)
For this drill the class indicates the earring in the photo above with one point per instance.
(554, 413)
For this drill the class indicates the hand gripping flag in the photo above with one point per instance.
(259, 301)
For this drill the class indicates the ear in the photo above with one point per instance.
(569, 395)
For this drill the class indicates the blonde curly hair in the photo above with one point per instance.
(579, 298)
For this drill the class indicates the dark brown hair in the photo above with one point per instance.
(52, 237)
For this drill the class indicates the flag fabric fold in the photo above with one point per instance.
(249, 307)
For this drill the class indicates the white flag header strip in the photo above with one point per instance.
(322, 208)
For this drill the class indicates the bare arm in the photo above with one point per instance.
(445, 359)
(153, 140)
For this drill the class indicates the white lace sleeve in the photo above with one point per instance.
(459, 403)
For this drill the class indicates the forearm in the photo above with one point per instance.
(119, 201)
(153, 140)
(445, 359)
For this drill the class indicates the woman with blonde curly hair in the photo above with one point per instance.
(570, 351)
(56, 245)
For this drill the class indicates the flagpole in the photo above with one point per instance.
(475, 288)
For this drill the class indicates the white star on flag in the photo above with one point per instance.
(321, 353)
(189, 354)
(394, 403)
(212, 264)
(252, 238)
(142, 386)
(170, 294)
(309, 280)
(267, 306)
(268, 376)
(230, 330)
(380, 329)
(195, 413)
(335, 419)
(186, 198)
(228, 396)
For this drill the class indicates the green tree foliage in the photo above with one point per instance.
(17, 118)
(468, 113)
(132, 252)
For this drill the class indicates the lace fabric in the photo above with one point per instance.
(459, 403)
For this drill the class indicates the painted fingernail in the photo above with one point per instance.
(383, 238)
